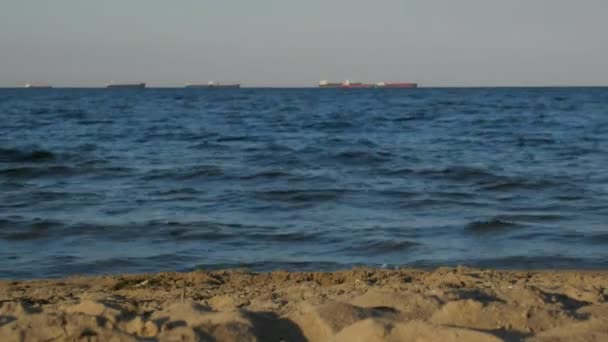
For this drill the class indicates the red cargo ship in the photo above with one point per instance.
(348, 84)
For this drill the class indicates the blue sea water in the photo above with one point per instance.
(98, 181)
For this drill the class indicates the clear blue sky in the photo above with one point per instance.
(285, 42)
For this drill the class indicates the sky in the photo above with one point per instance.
(298, 43)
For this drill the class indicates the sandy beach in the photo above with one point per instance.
(446, 304)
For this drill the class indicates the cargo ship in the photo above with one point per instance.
(348, 84)
(213, 84)
(37, 86)
(125, 85)
(345, 84)
(327, 84)
(396, 85)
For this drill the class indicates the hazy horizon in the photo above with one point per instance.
(283, 43)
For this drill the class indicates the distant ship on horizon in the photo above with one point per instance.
(349, 84)
(37, 86)
(396, 85)
(213, 84)
(113, 85)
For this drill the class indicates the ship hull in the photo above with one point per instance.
(399, 85)
(205, 86)
(357, 85)
(126, 86)
(37, 86)
(330, 85)
(225, 86)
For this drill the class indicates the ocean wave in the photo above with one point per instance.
(58, 265)
(9, 155)
(289, 109)
(532, 218)
(34, 172)
(266, 175)
(93, 122)
(379, 247)
(507, 184)
(434, 202)
(174, 192)
(597, 239)
(355, 176)
(41, 111)
(402, 172)
(535, 141)
(285, 236)
(234, 138)
(207, 145)
(203, 171)
(329, 125)
(546, 261)
(460, 173)
(20, 229)
(301, 196)
(411, 117)
(491, 226)
(202, 234)
(362, 157)
(71, 113)
(272, 265)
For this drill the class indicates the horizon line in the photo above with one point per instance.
(317, 87)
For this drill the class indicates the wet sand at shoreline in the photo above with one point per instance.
(446, 304)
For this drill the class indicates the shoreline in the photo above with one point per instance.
(447, 304)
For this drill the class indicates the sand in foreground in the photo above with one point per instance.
(460, 304)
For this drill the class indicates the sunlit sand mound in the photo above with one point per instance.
(459, 304)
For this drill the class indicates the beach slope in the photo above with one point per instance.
(446, 304)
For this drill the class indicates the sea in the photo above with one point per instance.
(98, 181)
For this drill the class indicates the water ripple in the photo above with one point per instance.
(93, 181)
